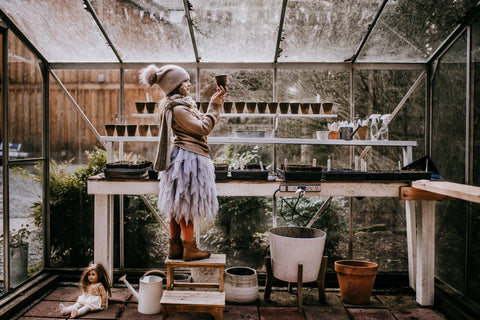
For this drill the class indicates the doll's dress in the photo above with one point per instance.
(92, 297)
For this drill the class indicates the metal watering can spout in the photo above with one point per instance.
(129, 286)
(149, 293)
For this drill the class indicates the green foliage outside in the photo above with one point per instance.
(72, 214)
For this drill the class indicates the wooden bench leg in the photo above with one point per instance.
(300, 286)
(269, 280)
(321, 280)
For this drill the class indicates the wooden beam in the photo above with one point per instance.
(409, 193)
(451, 189)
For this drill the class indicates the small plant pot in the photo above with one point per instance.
(154, 130)
(227, 107)
(120, 128)
(239, 107)
(356, 279)
(284, 107)
(150, 106)
(131, 129)
(140, 106)
(362, 133)
(143, 130)
(333, 135)
(262, 107)
(305, 108)
(272, 107)
(221, 166)
(294, 107)
(315, 107)
(327, 107)
(221, 80)
(110, 129)
(241, 285)
(251, 107)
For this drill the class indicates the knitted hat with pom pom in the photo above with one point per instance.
(168, 77)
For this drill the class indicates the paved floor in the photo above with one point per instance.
(283, 305)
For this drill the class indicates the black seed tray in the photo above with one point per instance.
(249, 174)
(221, 174)
(300, 175)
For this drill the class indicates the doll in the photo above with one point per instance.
(95, 286)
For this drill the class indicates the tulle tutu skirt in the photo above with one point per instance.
(187, 188)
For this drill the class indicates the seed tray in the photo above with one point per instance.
(249, 174)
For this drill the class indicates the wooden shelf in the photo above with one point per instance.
(231, 140)
(253, 115)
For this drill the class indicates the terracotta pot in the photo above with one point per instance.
(284, 107)
(204, 107)
(221, 80)
(143, 129)
(272, 107)
(251, 107)
(120, 128)
(327, 107)
(356, 279)
(362, 133)
(227, 107)
(110, 129)
(150, 106)
(131, 129)
(140, 106)
(262, 107)
(154, 129)
(305, 108)
(294, 107)
(333, 134)
(239, 107)
(315, 107)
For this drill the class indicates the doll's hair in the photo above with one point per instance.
(102, 277)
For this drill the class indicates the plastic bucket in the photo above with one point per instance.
(291, 245)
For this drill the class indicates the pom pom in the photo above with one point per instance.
(148, 75)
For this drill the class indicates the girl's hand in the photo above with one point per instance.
(219, 95)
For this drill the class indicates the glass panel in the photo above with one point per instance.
(96, 92)
(25, 102)
(231, 30)
(26, 221)
(325, 31)
(473, 278)
(415, 27)
(2, 271)
(62, 31)
(380, 92)
(448, 154)
(144, 31)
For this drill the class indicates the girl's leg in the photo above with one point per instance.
(176, 247)
(190, 250)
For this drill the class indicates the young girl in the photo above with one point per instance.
(186, 172)
(95, 287)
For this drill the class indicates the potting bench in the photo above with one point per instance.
(420, 213)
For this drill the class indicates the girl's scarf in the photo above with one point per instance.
(162, 161)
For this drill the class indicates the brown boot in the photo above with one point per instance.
(176, 249)
(191, 252)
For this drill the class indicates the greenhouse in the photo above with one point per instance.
(329, 131)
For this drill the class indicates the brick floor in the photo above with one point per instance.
(283, 305)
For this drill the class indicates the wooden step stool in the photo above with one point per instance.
(194, 301)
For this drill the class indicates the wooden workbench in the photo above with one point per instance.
(420, 199)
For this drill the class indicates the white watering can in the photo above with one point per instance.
(150, 292)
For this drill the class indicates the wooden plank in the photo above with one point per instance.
(451, 189)
(411, 221)
(425, 285)
(409, 193)
(193, 298)
(215, 260)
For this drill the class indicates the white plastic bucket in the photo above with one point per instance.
(291, 245)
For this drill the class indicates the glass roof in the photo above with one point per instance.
(232, 31)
